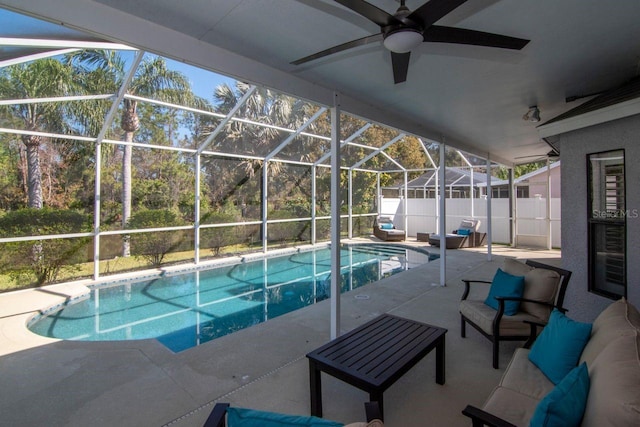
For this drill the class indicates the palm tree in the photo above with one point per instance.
(265, 106)
(37, 79)
(152, 79)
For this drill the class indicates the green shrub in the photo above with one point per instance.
(153, 246)
(43, 258)
(282, 232)
(218, 237)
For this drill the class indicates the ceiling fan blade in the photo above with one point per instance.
(400, 62)
(369, 11)
(540, 156)
(440, 34)
(431, 12)
(344, 46)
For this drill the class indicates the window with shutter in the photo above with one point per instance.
(607, 224)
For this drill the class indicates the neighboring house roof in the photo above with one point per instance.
(622, 101)
(454, 177)
(522, 178)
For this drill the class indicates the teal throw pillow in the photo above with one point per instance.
(242, 417)
(505, 285)
(386, 226)
(557, 349)
(564, 406)
(464, 232)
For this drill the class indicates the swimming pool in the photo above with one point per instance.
(188, 309)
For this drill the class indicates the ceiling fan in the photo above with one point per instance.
(551, 155)
(405, 30)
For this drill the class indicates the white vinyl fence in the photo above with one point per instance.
(420, 215)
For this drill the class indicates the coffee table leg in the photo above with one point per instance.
(316, 389)
(377, 397)
(440, 372)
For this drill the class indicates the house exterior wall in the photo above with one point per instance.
(619, 134)
(538, 183)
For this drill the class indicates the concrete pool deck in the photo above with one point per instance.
(141, 383)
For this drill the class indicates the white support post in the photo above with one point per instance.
(443, 215)
(350, 204)
(470, 180)
(314, 200)
(265, 182)
(406, 202)
(471, 193)
(335, 217)
(489, 231)
(438, 194)
(379, 193)
(548, 212)
(513, 206)
(96, 212)
(196, 238)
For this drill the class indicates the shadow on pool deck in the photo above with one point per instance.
(142, 383)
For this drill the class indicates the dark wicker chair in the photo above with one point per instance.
(495, 325)
(387, 234)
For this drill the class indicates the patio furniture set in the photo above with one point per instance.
(569, 372)
(577, 374)
(465, 236)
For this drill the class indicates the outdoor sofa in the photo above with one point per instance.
(610, 355)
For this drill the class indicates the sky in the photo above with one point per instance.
(16, 25)
(203, 82)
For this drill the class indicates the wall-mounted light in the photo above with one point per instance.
(533, 115)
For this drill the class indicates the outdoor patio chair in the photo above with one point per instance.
(217, 418)
(514, 306)
(384, 229)
(466, 236)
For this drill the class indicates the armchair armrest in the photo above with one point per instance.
(481, 418)
(552, 306)
(467, 286)
(531, 300)
(216, 417)
(533, 331)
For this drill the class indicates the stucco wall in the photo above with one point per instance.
(574, 147)
(538, 184)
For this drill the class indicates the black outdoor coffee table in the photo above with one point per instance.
(375, 355)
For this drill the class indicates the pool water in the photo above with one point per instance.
(188, 309)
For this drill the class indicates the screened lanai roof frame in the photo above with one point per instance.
(71, 46)
(271, 156)
(74, 45)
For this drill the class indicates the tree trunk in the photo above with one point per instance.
(126, 192)
(34, 179)
(130, 122)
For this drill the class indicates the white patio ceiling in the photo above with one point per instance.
(472, 98)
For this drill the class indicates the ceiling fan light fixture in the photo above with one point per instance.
(403, 41)
(533, 115)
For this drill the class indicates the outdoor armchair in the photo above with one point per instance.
(544, 287)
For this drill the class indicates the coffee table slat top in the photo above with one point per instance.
(378, 363)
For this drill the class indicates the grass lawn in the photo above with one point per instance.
(121, 265)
